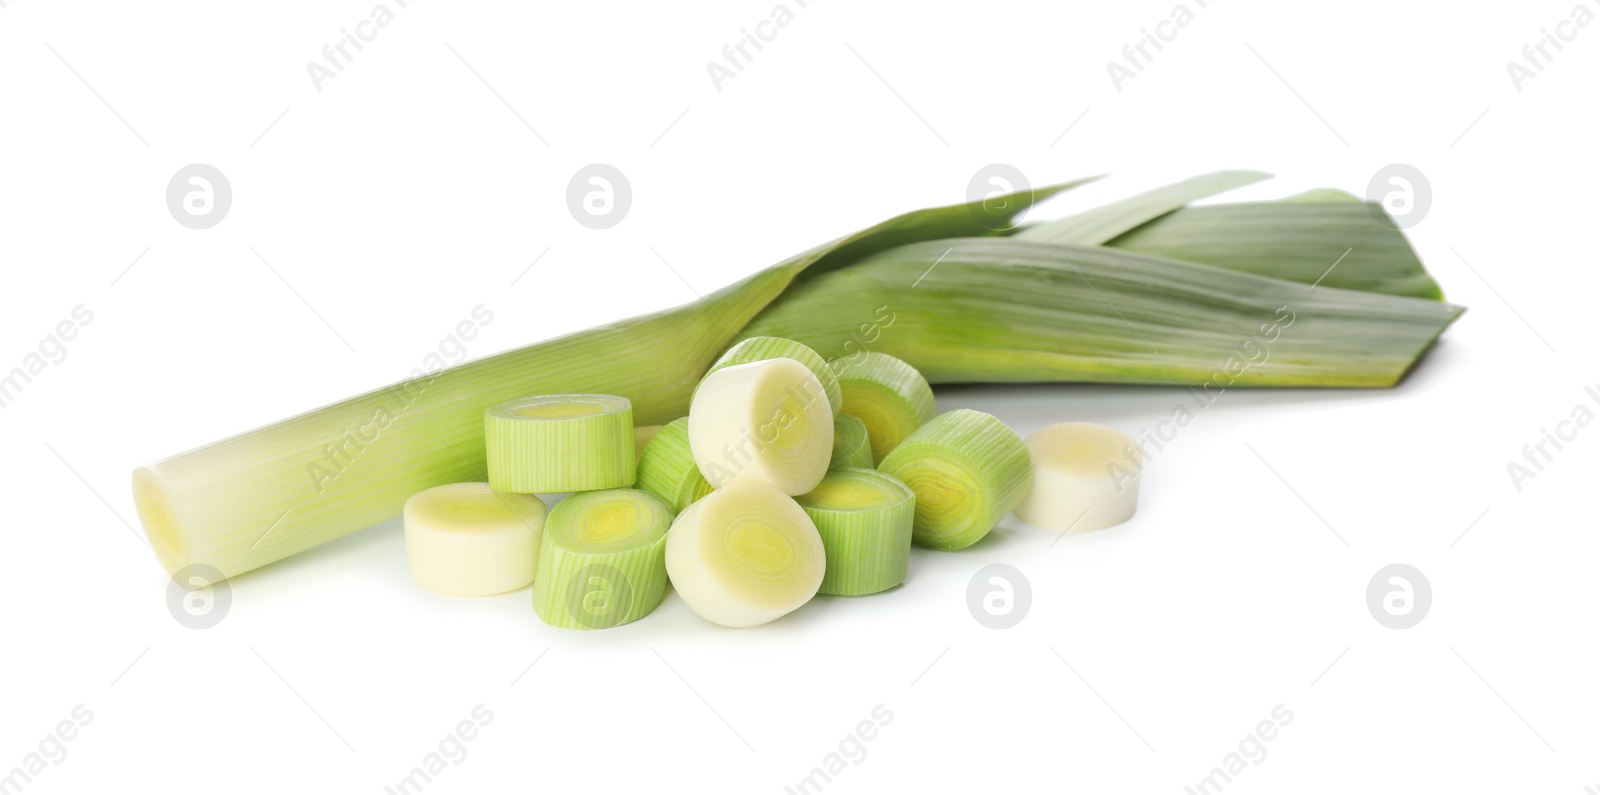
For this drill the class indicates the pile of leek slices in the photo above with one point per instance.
(791, 476)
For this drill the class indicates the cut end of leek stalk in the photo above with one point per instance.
(745, 555)
(465, 539)
(756, 349)
(1085, 477)
(968, 470)
(851, 447)
(865, 519)
(602, 562)
(550, 444)
(886, 394)
(667, 468)
(762, 422)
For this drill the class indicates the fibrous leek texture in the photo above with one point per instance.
(259, 497)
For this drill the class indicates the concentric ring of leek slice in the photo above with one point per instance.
(602, 562)
(744, 555)
(865, 519)
(968, 470)
(888, 395)
(465, 539)
(549, 444)
(762, 422)
(1085, 477)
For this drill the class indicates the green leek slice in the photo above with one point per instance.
(865, 519)
(667, 468)
(551, 444)
(888, 395)
(968, 470)
(602, 562)
(755, 349)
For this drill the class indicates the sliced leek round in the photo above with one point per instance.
(602, 562)
(465, 539)
(865, 519)
(762, 422)
(1085, 477)
(756, 349)
(968, 470)
(667, 468)
(551, 444)
(851, 447)
(888, 395)
(745, 555)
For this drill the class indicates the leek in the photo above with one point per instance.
(464, 539)
(968, 470)
(1085, 477)
(865, 519)
(602, 561)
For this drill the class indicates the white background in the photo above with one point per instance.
(414, 187)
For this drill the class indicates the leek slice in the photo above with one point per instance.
(1106, 222)
(667, 468)
(888, 395)
(602, 562)
(851, 447)
(1085, 477)
(1332, 243)
(755, 349)
(968, 470)
(767, 422)
(1006, 310)
(465, 539)
(745, 555)
(550, 444)
(865, 518)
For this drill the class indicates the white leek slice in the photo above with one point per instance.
(745, 555)
(756, 349)
(890, 396)
(865, 519)
(642, 434)
(667, 468)
(465, 539)
(1085, 477)
(602, 562)
(851, 447)
(762, 422)
(550, 444)
(968, 469)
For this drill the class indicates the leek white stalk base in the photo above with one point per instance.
(766, 422)
(745, 555)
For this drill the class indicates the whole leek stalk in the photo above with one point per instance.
(919, 286)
